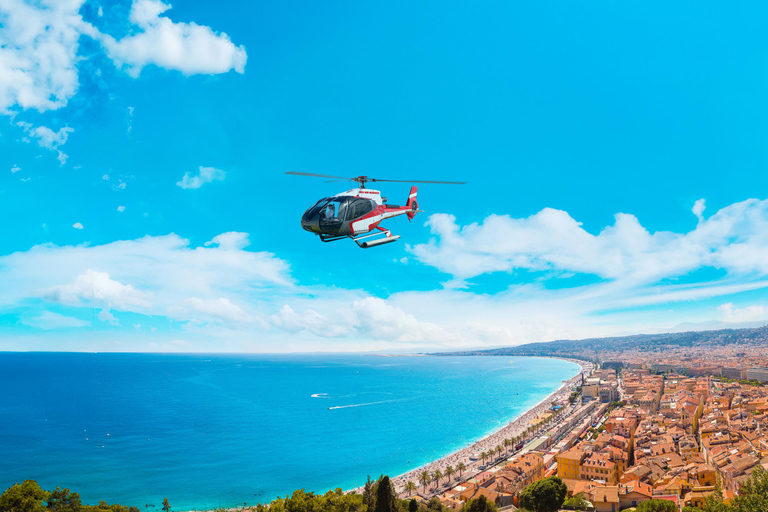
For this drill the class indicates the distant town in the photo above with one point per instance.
(665, 417)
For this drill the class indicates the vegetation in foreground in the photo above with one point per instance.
(546, 495)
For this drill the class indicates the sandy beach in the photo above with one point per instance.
(510, 430)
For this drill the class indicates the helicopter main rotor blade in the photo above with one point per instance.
(424, 181)
(318, 175)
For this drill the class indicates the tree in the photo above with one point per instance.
(410, 487)
(386, 501)
(480, 504)
(369, 496)
(166, 505)
(692, 509)
(460, 467)
(424, 479)
(507, 444)
(24, 497)
(545, 495)
(578, 502)
(63, 501)
(449, 472)
(413, 505)
(753, 493)
(436, 476)
(483, 456)
(714, 502)
(657, 506)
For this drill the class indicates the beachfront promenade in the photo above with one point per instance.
(564, 423)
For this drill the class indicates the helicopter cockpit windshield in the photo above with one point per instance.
(328, 215)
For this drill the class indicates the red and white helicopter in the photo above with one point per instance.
(358, 211)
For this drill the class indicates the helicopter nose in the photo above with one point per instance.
(310, 222)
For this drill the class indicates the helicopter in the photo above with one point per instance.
(357, 212)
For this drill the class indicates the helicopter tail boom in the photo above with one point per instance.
(412, 204)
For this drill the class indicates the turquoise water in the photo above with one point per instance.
(212, 430)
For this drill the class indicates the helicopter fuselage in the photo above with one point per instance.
(352, 213)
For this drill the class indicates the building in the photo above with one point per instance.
(733, 373)
(759, 374)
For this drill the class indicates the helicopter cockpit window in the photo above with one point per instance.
(360, 207)
(334, 213)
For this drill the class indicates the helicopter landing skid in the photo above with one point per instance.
(383, 237)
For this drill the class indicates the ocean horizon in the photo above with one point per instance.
(213, 430)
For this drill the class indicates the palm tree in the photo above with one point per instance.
(499, 449)
(437, 475)
(460, 467)
(449, 472)
(424, 479)
(507, 444)
(410, 487)
(483, 456)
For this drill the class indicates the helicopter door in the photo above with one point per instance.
(333, 215)
(359, 207)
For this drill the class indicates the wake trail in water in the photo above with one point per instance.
(369, 403)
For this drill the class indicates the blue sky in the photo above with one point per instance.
(615, 155)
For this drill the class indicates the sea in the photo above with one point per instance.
(209, 431)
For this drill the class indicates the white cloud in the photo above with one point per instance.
(97, 289)
(100, 12)
(232, 240)
(47, 138)
(186, 47)
(106, 315)
(105, 177)
(734, 239)
(39, 43)
(121, 209)
(161, 276)
(50, 321)
(310, 320)
(77, 225)
(211, 310)
(15, 168)
(745, 314)
(38, 53)
(698, 209)
(204, 175)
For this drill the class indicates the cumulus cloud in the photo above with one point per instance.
(203, 176)
(77, 225)
(745, 314)
(39, 44)
(15, 168)
(38, 53)
(734, 239)
(161, 276)
(186, 47)
(698, 209)
(121, 209)
(97, 289)
(50, 321)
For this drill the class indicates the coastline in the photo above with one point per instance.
(513, 428)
